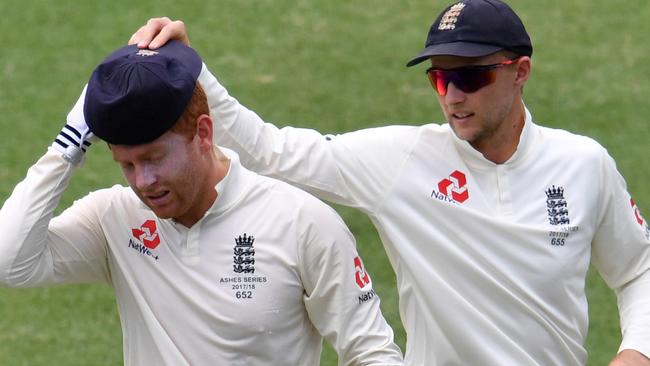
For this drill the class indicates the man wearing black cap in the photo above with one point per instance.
(489, 220)
(211, 264)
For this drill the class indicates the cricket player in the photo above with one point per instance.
(489, 220)
(211, 264)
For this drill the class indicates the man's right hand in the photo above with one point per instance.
(158, 31)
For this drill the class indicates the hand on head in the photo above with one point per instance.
(158, 31)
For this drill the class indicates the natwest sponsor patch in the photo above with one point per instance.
(452, 189)
(147, 234)
(145, 239)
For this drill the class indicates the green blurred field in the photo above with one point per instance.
(334, 66)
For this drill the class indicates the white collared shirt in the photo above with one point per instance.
(491, 259)
(259, 280)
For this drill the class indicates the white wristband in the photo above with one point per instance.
(75, 137)
(72, 143)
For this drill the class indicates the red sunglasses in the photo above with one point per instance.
(468, 79)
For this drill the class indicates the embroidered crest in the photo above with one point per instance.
(449, 19)
(244, 254)
(558, 213)
(146, 53)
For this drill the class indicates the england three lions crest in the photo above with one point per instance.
(558, 213)
(244, 254)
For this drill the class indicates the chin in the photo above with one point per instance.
(463, 135)
(163, 216)
(161, 213)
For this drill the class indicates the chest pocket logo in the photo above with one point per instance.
(244, 254)
(558, 213)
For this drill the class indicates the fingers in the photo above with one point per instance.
(143, 36)
(159, 31)
(174, 30)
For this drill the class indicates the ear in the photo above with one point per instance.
(204, 131)
(524, 66)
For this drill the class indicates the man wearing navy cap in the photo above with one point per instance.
(211, 264)
(490, 220)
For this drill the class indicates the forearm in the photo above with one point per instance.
(261, 146)
(27, 244)
(634, 308)
(621, 253)
(352, 169)
(24, 256)
(340, 298)
(370, 338)
(350, 318)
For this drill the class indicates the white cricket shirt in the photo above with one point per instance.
(490, 259)
(257, 281)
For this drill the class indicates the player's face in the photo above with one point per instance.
(166, 175)
(487, 117)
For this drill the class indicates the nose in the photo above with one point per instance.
(454, 95)
(145, 177)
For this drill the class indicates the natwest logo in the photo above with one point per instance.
(363, 281)
(454, 187)
(639, 219)
(637, 213)
(147, 235)
(360, 275)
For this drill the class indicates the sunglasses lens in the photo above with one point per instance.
(439, 80)
(473, 80)
(467, 80)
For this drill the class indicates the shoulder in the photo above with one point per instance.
(574, 152)
(114, 202)
(107, 197)
(572, 144)
(385, 148)
(398, 132)
(385, 135)
(295, 202)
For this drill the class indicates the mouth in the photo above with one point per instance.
(158, 198)
(461, 115)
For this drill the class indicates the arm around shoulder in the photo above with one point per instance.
(351, 169)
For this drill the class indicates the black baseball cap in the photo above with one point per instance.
(136, 95)
(475, 28)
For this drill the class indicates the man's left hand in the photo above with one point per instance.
(158, 31)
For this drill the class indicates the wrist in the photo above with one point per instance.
(72, 143)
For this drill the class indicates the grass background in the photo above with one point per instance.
(332, 65)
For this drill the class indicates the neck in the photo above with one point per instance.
(505, 141)
(219, 164)
(216, 168)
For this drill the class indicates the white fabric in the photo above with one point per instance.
(489, 270)
(200, 296)
(75, 137)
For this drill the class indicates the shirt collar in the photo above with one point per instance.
(233, 186)
(474, 157)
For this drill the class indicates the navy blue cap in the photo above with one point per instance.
(475, 28)
(136, 95)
